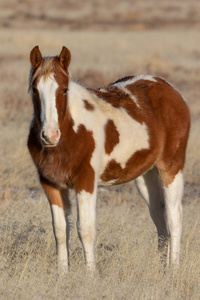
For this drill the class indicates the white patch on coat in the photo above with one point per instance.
(103, 90)
(133, 136)
(94, 121)
(47, 92)
(134, 79)
(60, 230)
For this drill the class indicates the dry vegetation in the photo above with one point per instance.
(107, 41)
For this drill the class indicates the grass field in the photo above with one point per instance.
(107, 41)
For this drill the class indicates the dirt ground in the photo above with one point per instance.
(107, 41)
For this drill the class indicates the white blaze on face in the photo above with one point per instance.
(47, 92)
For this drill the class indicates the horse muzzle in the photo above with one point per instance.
(50, 137)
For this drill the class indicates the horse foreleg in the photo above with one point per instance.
(86, 219)
(59, 208)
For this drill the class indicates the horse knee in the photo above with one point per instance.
(60, 234)
(59, 224)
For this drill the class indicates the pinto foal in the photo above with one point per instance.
(136, 128)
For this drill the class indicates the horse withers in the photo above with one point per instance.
(133, 129)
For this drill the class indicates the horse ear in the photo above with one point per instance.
(65, 58)
(35, 57)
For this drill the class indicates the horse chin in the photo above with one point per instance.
(50, 145)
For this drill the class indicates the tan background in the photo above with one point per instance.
(107, 41)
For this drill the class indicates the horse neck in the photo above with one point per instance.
(76, 96)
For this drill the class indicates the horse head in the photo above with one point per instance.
(49, 81)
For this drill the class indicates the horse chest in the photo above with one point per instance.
(55, 170)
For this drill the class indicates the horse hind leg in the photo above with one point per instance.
(150, 188)
(173, 193)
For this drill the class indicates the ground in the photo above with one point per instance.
(107, 41)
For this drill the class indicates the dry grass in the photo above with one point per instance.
(126, 254)
(126, 249)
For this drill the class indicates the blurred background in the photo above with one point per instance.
(107, 40)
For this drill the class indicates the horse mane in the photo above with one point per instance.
(45, 69)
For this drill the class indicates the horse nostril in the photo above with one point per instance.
(42, 135)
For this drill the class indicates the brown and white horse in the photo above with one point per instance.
(134, 129)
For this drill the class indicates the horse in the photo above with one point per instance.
(80, 138)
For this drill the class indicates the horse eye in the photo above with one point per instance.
(65, 91)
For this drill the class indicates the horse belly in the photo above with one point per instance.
(135, 165)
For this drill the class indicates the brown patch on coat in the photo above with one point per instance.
(68, 164)
(176, 120)
(62, 79)
(137, 164)
(59, 197)
(112, 171)
(111, 136)
(167, 117)
(172, 117)
(89, 106)
(158, 79)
